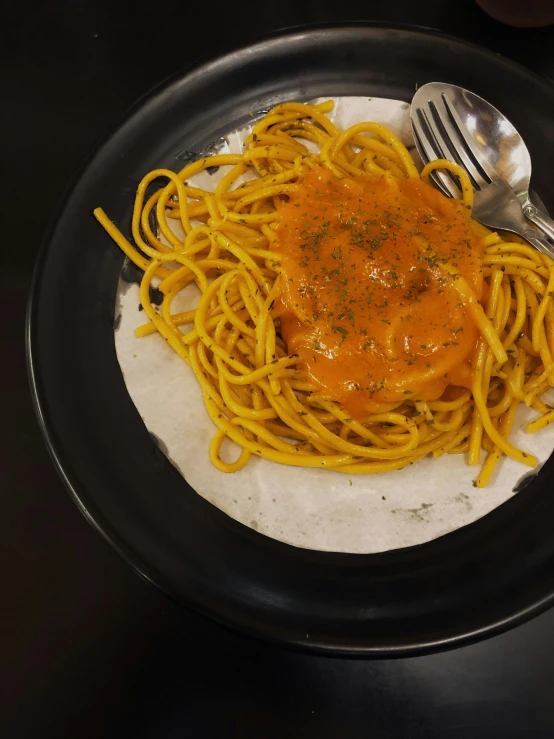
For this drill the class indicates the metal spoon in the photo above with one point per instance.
(496, 139)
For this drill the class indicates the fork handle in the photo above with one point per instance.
(543, 245)
(540, 219)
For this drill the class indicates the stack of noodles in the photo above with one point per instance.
(252, 388)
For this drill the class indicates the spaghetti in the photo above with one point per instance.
(240, 245)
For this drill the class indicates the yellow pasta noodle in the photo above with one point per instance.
(256, 392)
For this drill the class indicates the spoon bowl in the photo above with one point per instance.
(498, 142)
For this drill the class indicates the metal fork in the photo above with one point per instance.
(440, 134)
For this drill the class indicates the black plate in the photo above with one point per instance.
(476, 581)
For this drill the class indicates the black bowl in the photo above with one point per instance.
(468, 584)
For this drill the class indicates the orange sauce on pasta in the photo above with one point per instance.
(365, 304)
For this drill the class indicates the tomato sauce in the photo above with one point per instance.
(365, 303)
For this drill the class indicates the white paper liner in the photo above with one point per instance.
(312, 508)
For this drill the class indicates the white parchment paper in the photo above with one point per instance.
(317, 509)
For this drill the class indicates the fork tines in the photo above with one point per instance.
(441, 134)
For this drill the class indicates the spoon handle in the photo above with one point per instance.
(540, 219)
(543, 245)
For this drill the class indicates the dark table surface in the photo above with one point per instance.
(86, 648)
